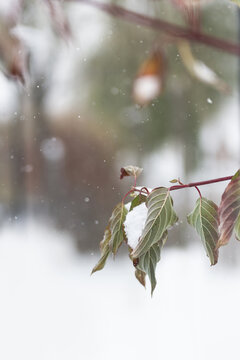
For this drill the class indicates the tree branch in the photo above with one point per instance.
(200, 183)
(164, 26)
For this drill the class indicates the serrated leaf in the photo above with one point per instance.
(204, 218)
(141, 277)
(105, 250)
(139, 199)
(229, 210)
(148, 261)
(160, 217)
(116, 227)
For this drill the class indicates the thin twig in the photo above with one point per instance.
(200, 183)
(164, 26)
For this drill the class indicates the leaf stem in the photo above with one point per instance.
(126, 195)
(198, 191)
(200, 183)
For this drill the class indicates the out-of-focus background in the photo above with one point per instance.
(68, 123)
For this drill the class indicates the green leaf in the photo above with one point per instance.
(139, 199)
(237, 174)
(160, 217)
(204, 218)
(113, 235)
(116, 227)
(229, 210)
(105, 250)
(148, 261)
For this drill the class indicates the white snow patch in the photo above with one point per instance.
(134, 224)
(146, 88)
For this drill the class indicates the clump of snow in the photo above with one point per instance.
(146, 88)
(134, 224)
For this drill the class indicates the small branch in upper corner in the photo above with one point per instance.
(200, 183)
(170, 29)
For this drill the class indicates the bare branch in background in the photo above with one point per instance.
(12, 54)
(164, 26)
(59, 18)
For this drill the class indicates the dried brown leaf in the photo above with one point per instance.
(130, 170)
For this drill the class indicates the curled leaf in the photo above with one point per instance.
(198, 69)
(160, 217)
(105, 250)
(148, 261)
(229, 210)
(113, 235)
(130, 170)
(204, 218)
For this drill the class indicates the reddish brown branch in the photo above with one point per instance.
(164, 26)
(200, 183)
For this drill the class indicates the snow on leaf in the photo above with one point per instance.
(229, 210)
(116, 227)
(160, 217)
(148, 261)
(105, 250)
(198, 69)
(134, 224)
(204, 218)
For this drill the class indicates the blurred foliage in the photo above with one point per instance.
(72, 191)
(183, 106)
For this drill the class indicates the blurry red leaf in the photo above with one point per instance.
(12, 53)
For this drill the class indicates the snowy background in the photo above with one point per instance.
(50, 306)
